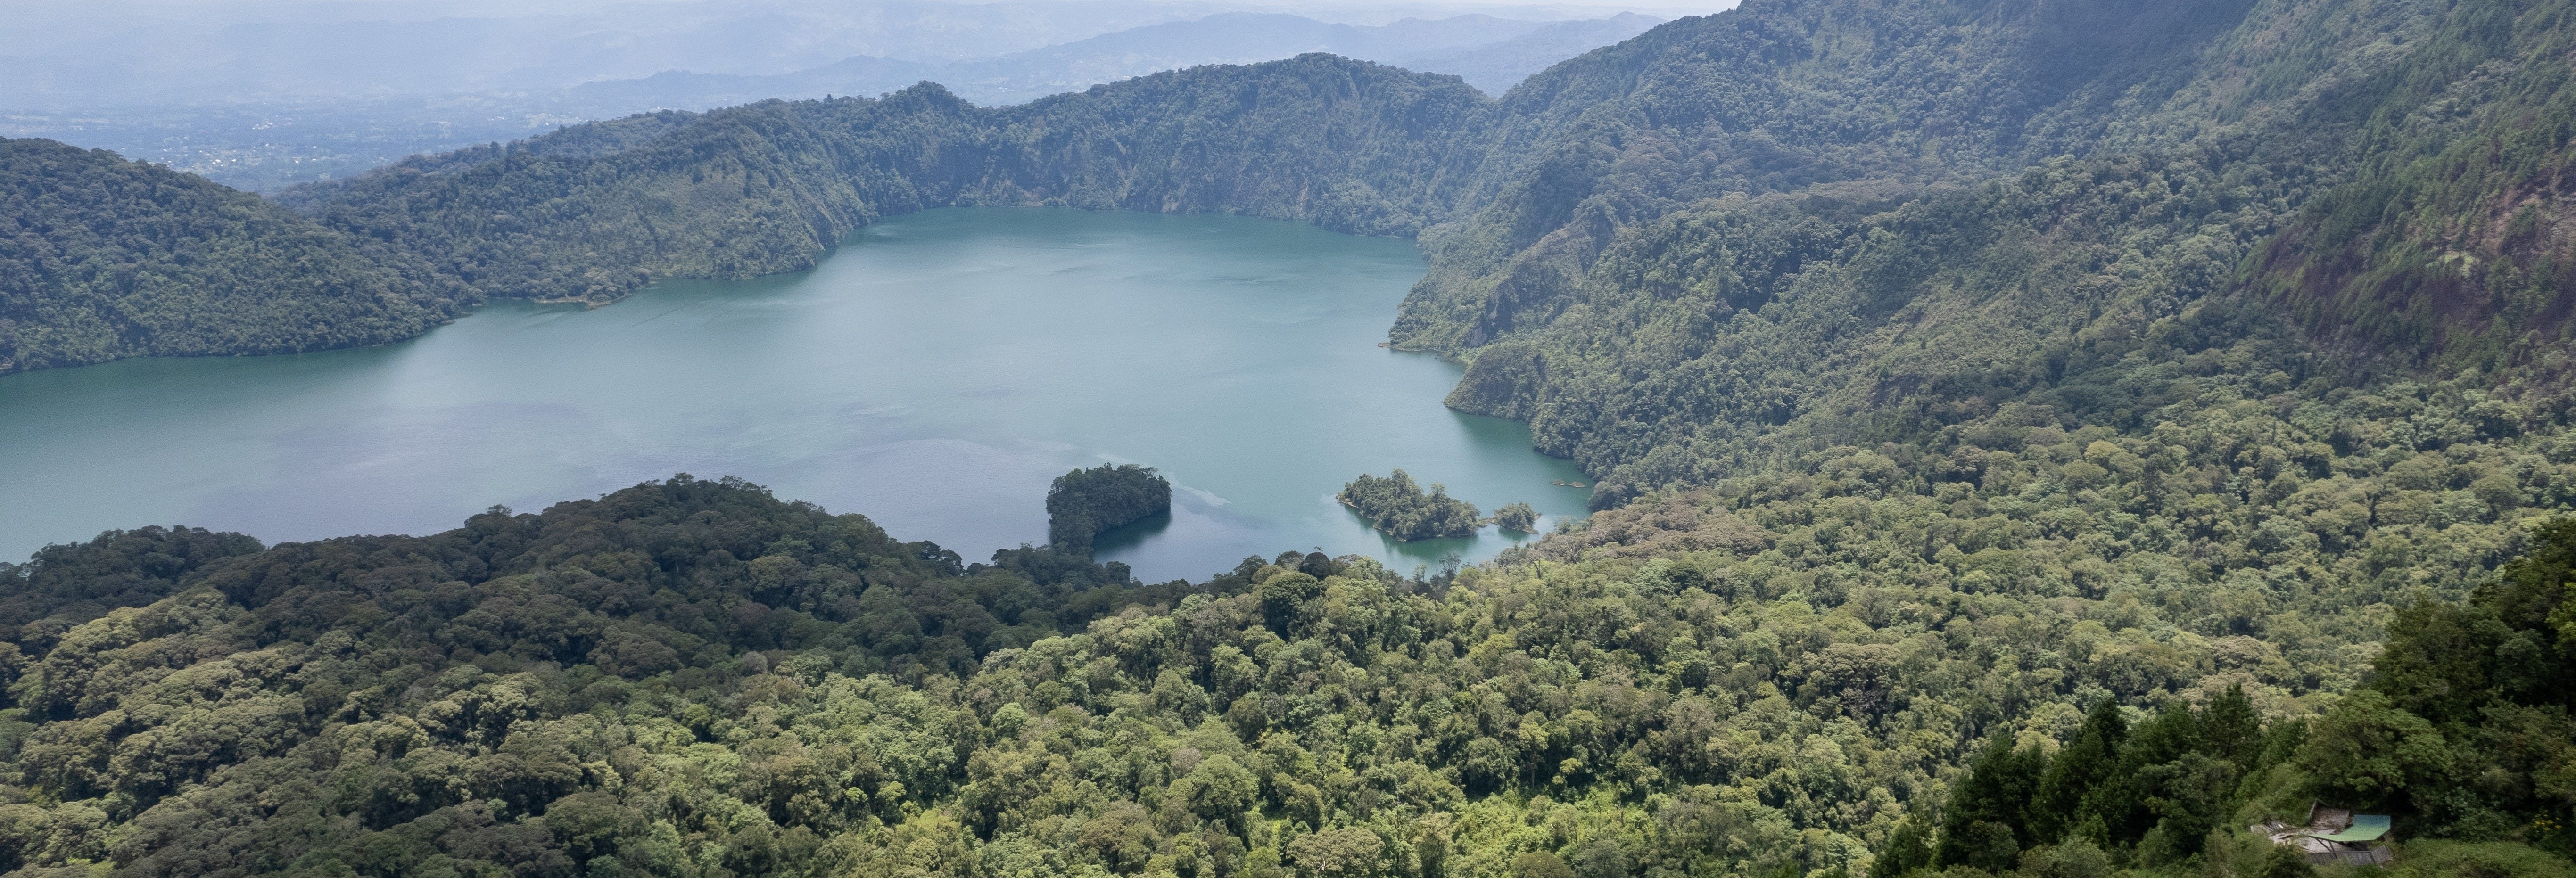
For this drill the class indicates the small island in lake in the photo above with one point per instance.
(1517, 517)
(1085, 503)
(1400, 508)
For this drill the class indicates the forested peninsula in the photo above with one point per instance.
(102, 258)
(2037, 438)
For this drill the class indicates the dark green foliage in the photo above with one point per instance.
(1986, 822)
(2087, 762)
(690, 672)
(2230, 729)
(2465, 729)
(1516, 517)
(1906, 851)
(1667, 323)
(2155, 794)
(66, 585)
(649, 600)
(769, 187)
(1400, 508)
(2286, 862)
(1084, 503)
(2438, 738)
(2436, 251)
(693, 672)
(1959, 372)
(2127, 802)
(101, 258)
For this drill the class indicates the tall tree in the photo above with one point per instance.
(1986, 822)
(2083, 764)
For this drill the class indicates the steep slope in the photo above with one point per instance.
(101, 258)
(1732, 241)
(1735, 335)
(2452, 247)
(592, 213)
(1374, 150)
(2022, 421)
(1775, 97)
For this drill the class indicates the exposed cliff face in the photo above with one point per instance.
(2451, 245)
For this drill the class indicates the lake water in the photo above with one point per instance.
(934, 374)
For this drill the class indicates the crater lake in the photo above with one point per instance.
(934, 373)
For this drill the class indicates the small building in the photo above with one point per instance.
(2334, 837)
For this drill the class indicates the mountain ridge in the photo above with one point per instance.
(101, 258)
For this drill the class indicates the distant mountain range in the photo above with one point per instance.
(83, 56)
(268, 144)
(1492, 54)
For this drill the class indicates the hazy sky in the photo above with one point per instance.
(69, 54)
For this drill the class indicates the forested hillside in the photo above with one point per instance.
(2031, 437)
(693, 678)
(101, 258)
(596, 211)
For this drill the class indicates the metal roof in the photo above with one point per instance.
(2365, 827)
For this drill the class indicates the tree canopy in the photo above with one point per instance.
(102, 258)
(1404, 511)
(1085, 503)
(692, 677)
(2028, 437)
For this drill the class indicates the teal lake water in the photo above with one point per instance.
(934, 374)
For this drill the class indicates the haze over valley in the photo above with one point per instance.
(266, 95)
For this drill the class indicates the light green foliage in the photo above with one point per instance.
(510, 692)
(608, 686)
(1620, 716)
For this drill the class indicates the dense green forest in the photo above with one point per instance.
(1084, 503)
(1404, 511)
(694, 678)
(2030, 438)
(102, 258)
